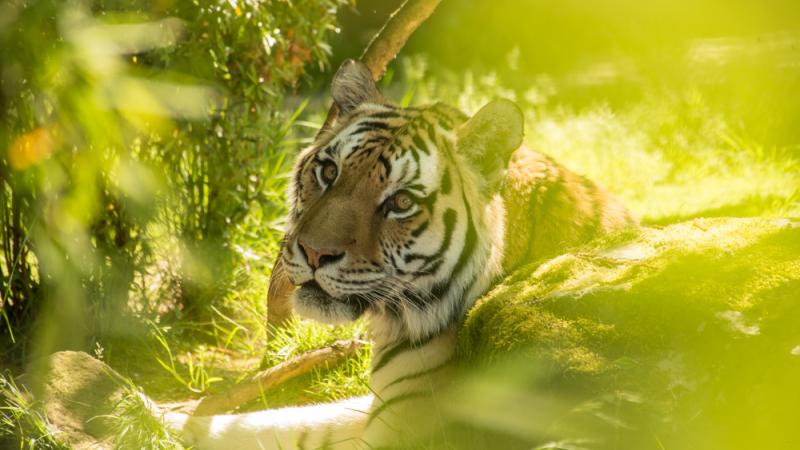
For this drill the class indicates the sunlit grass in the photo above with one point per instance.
(23, 423)
(347, 379)
(668, 175)
(133, 424)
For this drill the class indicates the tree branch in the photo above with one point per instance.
(294, 367)
(385, 45)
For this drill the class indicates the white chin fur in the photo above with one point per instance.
(329, 312)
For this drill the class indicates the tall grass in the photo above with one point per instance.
(133, 424)
(23, 423)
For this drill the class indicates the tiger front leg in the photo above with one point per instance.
(338, 425)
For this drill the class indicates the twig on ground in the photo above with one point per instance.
(275, 375)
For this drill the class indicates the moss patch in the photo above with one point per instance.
(698, 323)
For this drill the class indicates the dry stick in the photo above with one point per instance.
(299, 365)
(382, 49)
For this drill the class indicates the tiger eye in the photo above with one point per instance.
(402, 202)
(329, 172)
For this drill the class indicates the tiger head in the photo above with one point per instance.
(395, 212)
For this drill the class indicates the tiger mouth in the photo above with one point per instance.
(315, 289)
(312, 289)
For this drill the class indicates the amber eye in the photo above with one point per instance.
(328, 172)
(401, 202)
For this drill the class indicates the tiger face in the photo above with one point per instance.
(390, 212)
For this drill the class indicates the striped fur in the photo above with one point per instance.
(477, 212)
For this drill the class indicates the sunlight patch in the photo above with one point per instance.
(737, 323)
(629, 252)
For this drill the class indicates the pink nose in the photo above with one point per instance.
(318, 257)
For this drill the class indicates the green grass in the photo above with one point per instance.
(347, 379)
(23, 424)
(133, 425)
(663, 169)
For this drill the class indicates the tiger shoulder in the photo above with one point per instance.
(549, 208)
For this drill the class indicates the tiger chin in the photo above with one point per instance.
(407, 216)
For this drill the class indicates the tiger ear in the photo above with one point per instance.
(490, 136)
(353, 85)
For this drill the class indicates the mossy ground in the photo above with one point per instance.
(681, 337)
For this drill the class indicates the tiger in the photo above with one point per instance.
(406, 216)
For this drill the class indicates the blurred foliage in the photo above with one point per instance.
(681, 337)
(138, 137)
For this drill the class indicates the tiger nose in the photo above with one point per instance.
(319, 257)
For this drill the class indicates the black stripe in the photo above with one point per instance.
(361, 151)
(431, 132)
(391, 401)
(377, 139)
(417, 168)
(446, 182)
(385, 114)
(370, 125)
(420, 373)
(430, 268)
(331, 149)
(402, 346)
(445, 121)
(386, 165)
(420, 229)
(419, 144)
(377, 124)
(388, 355)
(415, 157)
(460, 310)
(298, 177)
(553, 185)
(449, 226)
(470, 240)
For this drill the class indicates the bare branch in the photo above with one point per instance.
(294, 367)
(385, 45)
